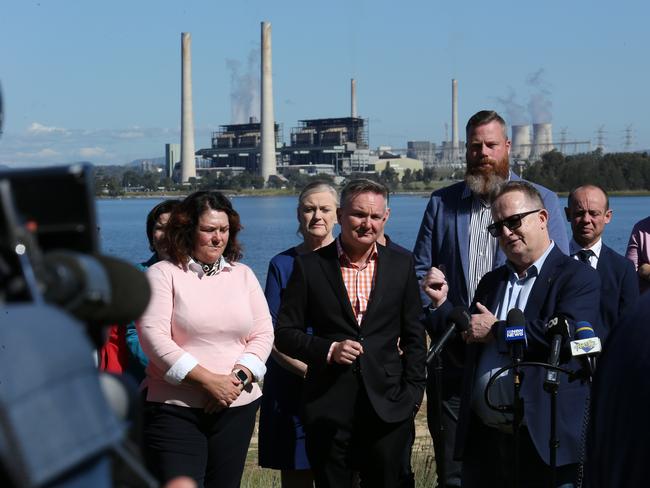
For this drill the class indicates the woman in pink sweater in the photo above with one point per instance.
(207, 333)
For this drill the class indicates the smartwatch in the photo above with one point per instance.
(243, 377)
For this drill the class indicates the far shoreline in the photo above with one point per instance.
(289, 193)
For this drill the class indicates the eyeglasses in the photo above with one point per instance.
(513, 222)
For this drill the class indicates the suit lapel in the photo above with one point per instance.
(603, 263)
(543, 282)
(381, 279)
(462, 234)
(332, 270)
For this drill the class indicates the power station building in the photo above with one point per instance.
(237, 146)
(332, 145)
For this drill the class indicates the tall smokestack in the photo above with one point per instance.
(353, 98)
(268, 164)
(188, 164)
(455, 151)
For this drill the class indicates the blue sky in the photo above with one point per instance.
(100, 81)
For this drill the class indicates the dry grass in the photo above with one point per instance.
(422, 460)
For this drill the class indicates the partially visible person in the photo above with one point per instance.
(542, 282)
(617, 444)
(281, 433)
(588, 213)
(156, 221)
(207, 333)
(121, 352)
(638, 251)
(453, 238)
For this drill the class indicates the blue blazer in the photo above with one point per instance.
(444, 236)
(619, 287)
(565, 286)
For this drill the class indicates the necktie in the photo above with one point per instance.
(584, 255)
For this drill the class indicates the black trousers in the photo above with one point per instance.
(211, 448)
(363, 442)
(488, 456)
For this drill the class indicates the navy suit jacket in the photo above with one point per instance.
(564, 286)
(316, 295)
(443, 239)
(617, 447)
(619, 287)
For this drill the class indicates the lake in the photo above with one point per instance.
(270, 225)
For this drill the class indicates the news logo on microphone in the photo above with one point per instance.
(515, 333)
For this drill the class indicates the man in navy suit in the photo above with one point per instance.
(543, 282)
(588, 213)
(453, 238)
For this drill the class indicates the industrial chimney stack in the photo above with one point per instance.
(455, 149)
(188, 163)
(268, 163)
(353, 98)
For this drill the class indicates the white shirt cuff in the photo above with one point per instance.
(254, 365)
(180, 368)
(329, 353)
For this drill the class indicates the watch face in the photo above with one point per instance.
(242, 376)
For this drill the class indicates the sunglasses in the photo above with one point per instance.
(513, 222)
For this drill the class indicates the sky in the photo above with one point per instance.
(100, 81)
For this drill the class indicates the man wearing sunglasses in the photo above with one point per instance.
(453, 243)
(542, 282)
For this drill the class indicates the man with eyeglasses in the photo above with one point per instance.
(453, 243)
(540, 280)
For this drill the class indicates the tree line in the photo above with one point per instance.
(612, 171)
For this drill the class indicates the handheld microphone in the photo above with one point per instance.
(558, 330)
(98, 290)
(458, 318)
(516, 334)
(586, 347)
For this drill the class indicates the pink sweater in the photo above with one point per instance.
(214, 318)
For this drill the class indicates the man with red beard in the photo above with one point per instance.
(454, 244)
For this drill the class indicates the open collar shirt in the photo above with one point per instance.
(359, 280)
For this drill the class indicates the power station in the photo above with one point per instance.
(338, 146)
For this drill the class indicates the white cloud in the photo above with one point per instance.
(45, 153)
(37, 128)
(130, 134)
(91, 152)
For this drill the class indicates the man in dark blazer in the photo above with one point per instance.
(445, 242)
(588, 213)
(543, 282)
(361, 390)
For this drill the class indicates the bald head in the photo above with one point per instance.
(588, 213)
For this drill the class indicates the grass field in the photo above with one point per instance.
(422, 460)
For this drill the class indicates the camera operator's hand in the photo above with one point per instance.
(222, 389)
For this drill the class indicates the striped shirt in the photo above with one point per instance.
(358, 281)
(482, 246)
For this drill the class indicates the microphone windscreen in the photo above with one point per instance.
(461, 317)
(130, 292)
(558, 325)
(584, 330)
(515, 318)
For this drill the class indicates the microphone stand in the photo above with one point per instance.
(518, 410)
(551, 385)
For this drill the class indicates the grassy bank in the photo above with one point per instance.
(422, 460)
